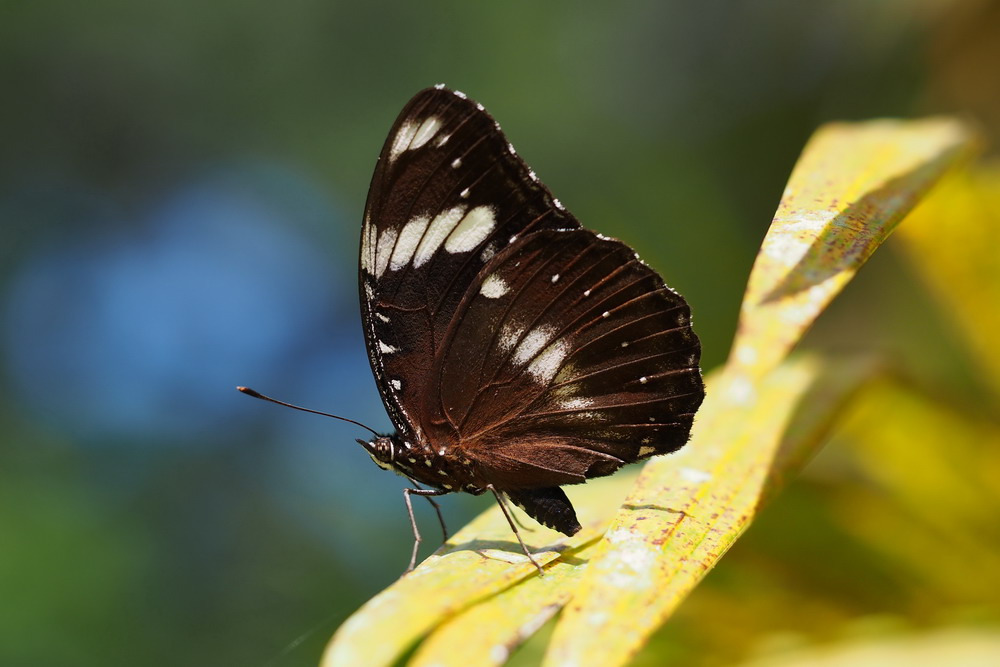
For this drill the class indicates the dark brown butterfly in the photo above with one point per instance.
(515, 351)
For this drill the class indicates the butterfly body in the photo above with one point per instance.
(515, 350)
(439, 469)
(452, 472)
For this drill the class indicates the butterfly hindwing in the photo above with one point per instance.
(567, 359)
(549, 507)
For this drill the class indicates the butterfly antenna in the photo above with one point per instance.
(256, 394)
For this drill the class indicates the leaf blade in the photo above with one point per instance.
(474, 568)
(849, 189)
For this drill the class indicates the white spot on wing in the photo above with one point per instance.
(442, 140)
(386, 241)
(396, 384)
(407, 243)
(473, 229)
(456, 163)
(488, 252)
(577, 403)
(403, 138)
(493, 287)
(646, 451)
(464, 194)
(440, 227)
(555, 278)
(369, 239)
(384, 318)
(425, 132)
(546, 365)
(535, 340)
(509, 335)
(385, 348)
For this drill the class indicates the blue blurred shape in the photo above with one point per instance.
(141, 330)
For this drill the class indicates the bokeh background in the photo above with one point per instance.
(180, 204)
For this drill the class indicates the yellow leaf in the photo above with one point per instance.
(487, 633)
(687, 509)
(954, 241)
(479, 562)
(849, 189)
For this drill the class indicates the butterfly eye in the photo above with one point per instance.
(385, 450)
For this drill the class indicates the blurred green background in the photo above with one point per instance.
(181, 195)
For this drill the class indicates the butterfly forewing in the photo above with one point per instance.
(447, 195)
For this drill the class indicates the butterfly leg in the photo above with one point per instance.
(437, 508)
(513, 526)
(417, 539)
(520, 524)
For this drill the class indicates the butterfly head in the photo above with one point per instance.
(382, 449)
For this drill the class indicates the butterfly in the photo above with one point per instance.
(515, 351)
